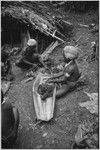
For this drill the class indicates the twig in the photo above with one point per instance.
(67, 22)
(78, 39)
(27, 80)
(37, 123)
(82, 25)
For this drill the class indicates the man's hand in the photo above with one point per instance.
(67, 75)
(49, 81)
(43, 63)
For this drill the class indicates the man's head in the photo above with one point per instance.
(70, 52)
(32, 43)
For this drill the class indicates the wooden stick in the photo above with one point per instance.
(55, 37)
(78, 39)
(61, 34)
(67, 22)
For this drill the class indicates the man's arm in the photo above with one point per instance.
(69, 71)
(57, 75)
(62, 79)
(41, 61)
(63, 75)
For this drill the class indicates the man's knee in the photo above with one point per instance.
(62, 91)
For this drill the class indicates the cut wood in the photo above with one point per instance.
(49, 50)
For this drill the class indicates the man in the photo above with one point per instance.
(30, 56)
(6, 67)
(9, 123)
(70, 73)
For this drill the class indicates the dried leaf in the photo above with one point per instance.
(79, 134)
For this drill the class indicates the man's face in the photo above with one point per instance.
(33, 46)
(67, 60)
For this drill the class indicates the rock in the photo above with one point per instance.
(91, 144)
(95, 137)
(86, 136)
(39, 147)
(45, 134)
(91, 105)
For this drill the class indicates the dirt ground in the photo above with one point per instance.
(60, 132)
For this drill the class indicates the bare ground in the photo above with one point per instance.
(60, 132)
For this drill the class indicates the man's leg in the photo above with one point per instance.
(62, 91)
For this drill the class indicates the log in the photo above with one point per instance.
(48, 48)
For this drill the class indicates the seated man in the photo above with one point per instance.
(30, 56)
(70, 74)
(6, 66)
(9, 123)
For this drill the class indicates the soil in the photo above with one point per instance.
(59, 132)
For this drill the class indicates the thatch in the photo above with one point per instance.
(35, 13)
